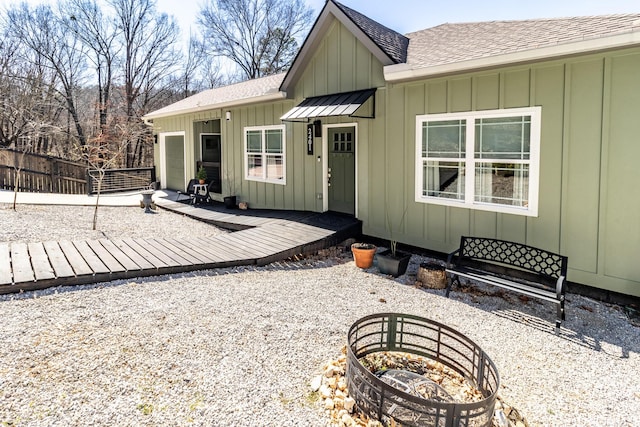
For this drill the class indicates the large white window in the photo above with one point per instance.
(487, 160)
(264, 154)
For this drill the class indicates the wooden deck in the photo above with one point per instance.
(261, 237)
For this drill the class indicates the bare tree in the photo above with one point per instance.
(27, 99)
(259, 36)
(189, 80)
(97, 33)
(40, 30)
(101, 154)
(18, 164)
(149, 59)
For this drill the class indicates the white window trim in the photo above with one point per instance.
(534, 160)
(282, 181)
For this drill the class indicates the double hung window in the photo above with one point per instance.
(486, 160)
(264, 154)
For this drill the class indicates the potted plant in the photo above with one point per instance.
(392, 261)
(201, 175)
(363, 254)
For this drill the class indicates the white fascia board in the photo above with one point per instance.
(404, 72)
(276, 96)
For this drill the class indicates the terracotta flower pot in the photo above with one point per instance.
(363, 254)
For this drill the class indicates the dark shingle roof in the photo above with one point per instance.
(451, 43)
(391, 42)
(432, 47)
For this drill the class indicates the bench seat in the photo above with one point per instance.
(517, 267)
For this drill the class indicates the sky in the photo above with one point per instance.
(406, 16)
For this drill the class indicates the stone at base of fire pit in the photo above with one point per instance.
(331, 389)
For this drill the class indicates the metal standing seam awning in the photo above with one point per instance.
(339, 104)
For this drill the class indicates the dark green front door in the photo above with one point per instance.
(342, 170)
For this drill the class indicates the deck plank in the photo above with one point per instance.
(6, 274)
(42, 268)
(107, 259)
(140, 261)
(271, 241)
(58, 260)
(197, 251)
(77, 262)
(256, 240)
(97, 266)
(162, 253)
(190, 255)
(122, 258)
(234, 249)
(142, 249)
(213, 247)
(246, 245)
(226, 250)
(21, 263)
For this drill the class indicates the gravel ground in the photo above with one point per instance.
(37, 223)
(238, 347)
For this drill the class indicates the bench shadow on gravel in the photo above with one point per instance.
(599, 326)
(591, 324)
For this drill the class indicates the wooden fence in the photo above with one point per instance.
(42, 174)
(46, 174)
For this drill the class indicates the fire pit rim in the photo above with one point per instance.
(450, 407)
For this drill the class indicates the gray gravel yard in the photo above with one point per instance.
(239, 347)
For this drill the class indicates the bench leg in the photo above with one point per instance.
(451, 278)
(560, 316)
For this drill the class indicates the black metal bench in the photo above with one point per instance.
(531, 271)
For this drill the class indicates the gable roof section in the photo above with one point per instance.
(392, 43)
(389, 46)
(247, 92)
(469, 46)
(441, 50)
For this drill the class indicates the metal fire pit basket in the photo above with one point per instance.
(429, 339)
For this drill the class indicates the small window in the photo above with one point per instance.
(264, 156)
(485, 160)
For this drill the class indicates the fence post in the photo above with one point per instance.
(54, 184)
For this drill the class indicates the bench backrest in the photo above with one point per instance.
(518, 255)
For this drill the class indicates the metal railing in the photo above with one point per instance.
(115, 180)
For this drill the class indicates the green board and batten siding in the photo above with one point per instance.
(590, 144)
(341, 63)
